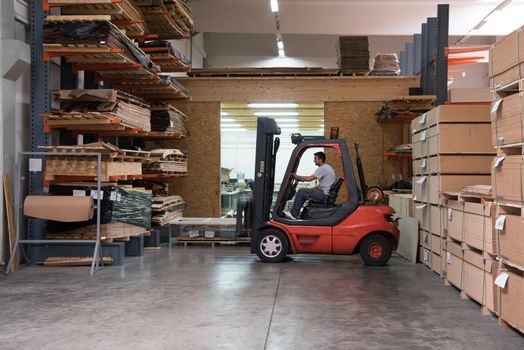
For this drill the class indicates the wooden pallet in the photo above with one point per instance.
(261, 72)
(75, 261)
(212, 241)
(354, 74)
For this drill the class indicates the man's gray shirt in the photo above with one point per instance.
(326, 177)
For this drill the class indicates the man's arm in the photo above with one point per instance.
(305, 178)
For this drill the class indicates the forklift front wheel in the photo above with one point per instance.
(272, 246)
(375, 250)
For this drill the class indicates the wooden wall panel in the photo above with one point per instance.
(357, 123)
(298, 89)
(201, 188)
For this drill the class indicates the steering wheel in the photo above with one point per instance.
(291, 189)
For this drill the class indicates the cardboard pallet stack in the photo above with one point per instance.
(507, 77)
(450, 151)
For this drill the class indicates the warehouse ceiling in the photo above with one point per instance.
(351, 17)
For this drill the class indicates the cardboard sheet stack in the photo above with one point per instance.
(386, 64)
(167, 208)
(506, 75)
(166, 118)
(450, 151)
(353, 54)
(172, 161)
(99, 108)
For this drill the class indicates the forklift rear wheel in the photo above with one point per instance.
(375, 250)
(272, 246)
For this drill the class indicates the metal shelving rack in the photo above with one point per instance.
(426, 55)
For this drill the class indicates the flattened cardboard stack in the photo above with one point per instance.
(507, 73)
(385, 64)
(166, 118)
(99, 109)
(167, 208)
(353, 54)
(450, 151)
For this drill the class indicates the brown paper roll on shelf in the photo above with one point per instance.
(59, 208)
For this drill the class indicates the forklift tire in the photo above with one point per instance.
(272, 246)
(375, 250)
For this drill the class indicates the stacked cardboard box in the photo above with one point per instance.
(450, 151)
(470, 258)
(506, 67)
(353, 54)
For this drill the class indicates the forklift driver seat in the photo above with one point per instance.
(333, 193)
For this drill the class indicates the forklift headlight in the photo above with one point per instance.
(390, 218)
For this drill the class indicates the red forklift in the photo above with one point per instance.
(354, 226)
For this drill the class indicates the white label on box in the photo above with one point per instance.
(499, 224)
(448, 257)
(426, 237)
(502, 280)
(423, 135)
(94, 194)
(118, 197)
(35, 164)
(112, 196)
(496, 105)
(422, 119)
(79, 193)
(450, 214)
(498, 161)
(421, 180)
(426, 255)
(171, 124)
(423, 163)
(420, 206)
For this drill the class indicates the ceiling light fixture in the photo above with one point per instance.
(224, 113)
(233, 129)
(274, 5)
(272, 105)
(227, 120)
(484, 20)
(271, 114)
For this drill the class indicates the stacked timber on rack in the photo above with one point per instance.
(167, 208)
(164, 54)
(506, 74)
(405, 108)
(169, 19)
(170, 161)
(166, 118)
(99, 109)
(471, 251)
(124, 212)
(125, 14)
(160, 90)
(116, 163)
(353, 55)
(450, 151)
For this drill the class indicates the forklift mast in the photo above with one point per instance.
(266, 151)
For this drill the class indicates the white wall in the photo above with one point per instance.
(199, 53)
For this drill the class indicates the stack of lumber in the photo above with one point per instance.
(99, 109)
(125, 14)
(450, 152)
(75, 261)
(506, 73)
(166, 118)
(353, 54)
(97, 46)
(169, 19)
(471, 248)
(386, 64)
(116, 162)
(172, 161)
(108, 232)
(411, 106)
(164, 54)
(167, 208)
(160, 90)
(264, 72)
(506, 63)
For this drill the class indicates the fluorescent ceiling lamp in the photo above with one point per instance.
(227, 120)
(274, 5)
(287, 120)
(280, 45)
(288, 125)
(270, 114)
(232, 125)
(272, 105)
(233, 129)
(281, 53)
(224, 113)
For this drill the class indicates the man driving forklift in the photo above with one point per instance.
(325, 176)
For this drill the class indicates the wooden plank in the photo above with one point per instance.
(74, 261)
(8, 197)
(78, 18)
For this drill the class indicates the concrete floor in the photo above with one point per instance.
(224, 298)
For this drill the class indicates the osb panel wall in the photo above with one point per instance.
(201, 188)
(357, 123)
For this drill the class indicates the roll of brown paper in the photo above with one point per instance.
(59, 208)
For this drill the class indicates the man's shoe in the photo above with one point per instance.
(288, 215)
